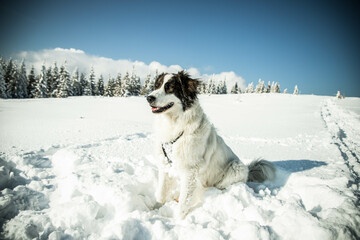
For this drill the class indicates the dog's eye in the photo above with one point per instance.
(169, 87)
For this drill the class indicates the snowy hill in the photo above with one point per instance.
(83, 168)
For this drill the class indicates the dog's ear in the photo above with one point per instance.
(189, 88)
(159, 81)
(189, 85)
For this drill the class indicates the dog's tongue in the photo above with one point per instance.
(154, 108)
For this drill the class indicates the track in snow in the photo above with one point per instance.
(345, 131)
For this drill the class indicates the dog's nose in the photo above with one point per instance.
(150, 99)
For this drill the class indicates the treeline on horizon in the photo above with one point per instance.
(57, 82)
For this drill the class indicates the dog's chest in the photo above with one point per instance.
(172, 161)
(170, 148)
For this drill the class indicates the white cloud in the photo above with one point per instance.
(72, 50)
(108, 66)
(230, 77)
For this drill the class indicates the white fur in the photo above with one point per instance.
(200, 158)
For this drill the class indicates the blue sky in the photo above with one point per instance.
(314, 44)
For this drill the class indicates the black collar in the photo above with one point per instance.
(177, 138)
(170, 143)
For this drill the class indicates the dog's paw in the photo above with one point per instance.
(160, 198)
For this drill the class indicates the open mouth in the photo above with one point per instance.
(161, 109)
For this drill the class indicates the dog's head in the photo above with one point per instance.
(173, 92)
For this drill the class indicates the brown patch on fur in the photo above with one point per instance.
(170, 86)
(159, 81)
(189, 89)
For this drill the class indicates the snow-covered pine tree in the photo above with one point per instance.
(250, 88)
(22, 81)
(219, 87)
(10, 81)
(49, 80)
(277, 88)
(152, 84)
(40, 90)
(272, 88)
(211, 87)
(55, 83)
(117, 92)
(260, 87)
(110, 88)
(3, 64)
(339, 96)
(145, 90)
(32, 82)
(285, 91)
(92, 81)
(208, 86)
(217, 91)
(75, 83)
(296, 90)
(65, 83)
(2, 83)
(85, 85)
(95, 89)
(235, 89)
(126, 85)
(7, 71)
(222, 88)
(16, 83)
(264, 89)
(202, 88)
(100, 86)
(268, 89)
(135, 86)
(106, 90)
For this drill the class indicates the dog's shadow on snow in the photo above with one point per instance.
(284, 169)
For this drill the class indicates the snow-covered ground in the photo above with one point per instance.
(83, 168)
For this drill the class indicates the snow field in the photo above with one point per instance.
(83, 168)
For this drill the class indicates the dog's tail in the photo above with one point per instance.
(261, 170)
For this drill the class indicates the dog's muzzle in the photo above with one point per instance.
(157, 109)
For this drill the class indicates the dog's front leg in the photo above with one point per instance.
(187, 188)
(163, 188)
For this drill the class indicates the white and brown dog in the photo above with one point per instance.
(189, 148)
